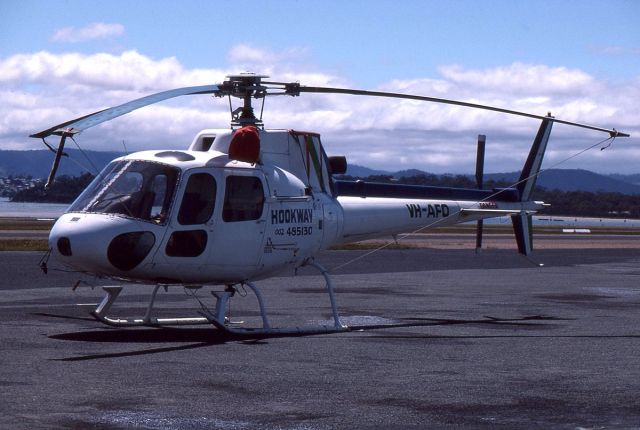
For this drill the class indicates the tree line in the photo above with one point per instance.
(65, 189)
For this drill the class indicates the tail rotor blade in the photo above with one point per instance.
(479, 227)
(479, 182)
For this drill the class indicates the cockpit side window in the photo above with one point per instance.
(243, 199)
(198, 200)
(134, 188)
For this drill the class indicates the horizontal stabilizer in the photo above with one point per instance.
(488, 212)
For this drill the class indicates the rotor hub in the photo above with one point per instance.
(245, 86)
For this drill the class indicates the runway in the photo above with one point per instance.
(479, 341)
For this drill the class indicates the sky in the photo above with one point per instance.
(579, 60)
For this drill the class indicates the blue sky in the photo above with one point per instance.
(579, 58)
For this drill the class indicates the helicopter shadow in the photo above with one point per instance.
(188, 338)
(534, 321)
(194, 338)
(64, 317)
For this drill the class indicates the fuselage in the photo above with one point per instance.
(199, 217)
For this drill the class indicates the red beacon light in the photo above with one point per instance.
(245, 145)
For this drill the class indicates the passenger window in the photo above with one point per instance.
(198, 200)
(188, 243)
(243, 199)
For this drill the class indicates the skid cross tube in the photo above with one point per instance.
(112, 293)
(218, 319)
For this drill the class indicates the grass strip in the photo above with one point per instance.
(25, 224)
(24, 245)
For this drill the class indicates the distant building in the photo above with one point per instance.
(9, 186)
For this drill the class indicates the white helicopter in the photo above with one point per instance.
(244, 203)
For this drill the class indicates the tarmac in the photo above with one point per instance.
(441, 338)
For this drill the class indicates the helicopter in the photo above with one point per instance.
(245, 203)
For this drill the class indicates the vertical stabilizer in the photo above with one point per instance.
(522, 227)
(522, 223)
(529, 175)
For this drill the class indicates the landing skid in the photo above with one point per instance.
(100, 313)
(218, 317)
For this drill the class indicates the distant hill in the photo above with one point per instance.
(633, 179)
(362, 172)
(408, 173)
(38, 163)
(553, 179)
(573, 180)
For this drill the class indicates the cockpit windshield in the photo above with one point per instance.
(138, 189)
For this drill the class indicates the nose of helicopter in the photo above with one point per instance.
(99, 244)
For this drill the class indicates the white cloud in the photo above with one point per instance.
(41, 89)
(249, 55)
(97, 30)
(520, 78)
(246, 53)
(615, 50)
(127, 71)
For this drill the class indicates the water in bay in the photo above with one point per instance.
(31, 210)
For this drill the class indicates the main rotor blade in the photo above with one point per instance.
(328, 90)
(77, 125)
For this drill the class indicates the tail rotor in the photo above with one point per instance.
(479, 182)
